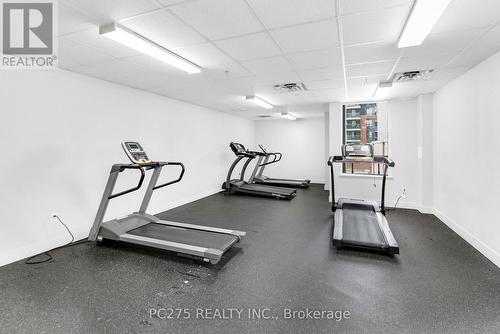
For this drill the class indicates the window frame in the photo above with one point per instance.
(375, 167)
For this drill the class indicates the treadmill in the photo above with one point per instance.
(262, 179)
(359, 223)
(140, 228)
(241, 187)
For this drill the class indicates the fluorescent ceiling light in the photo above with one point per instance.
(137, 42)
(382, 90)
(260, 102)
(423, 17)
(288, 116)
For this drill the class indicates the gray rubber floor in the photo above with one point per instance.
(438, 284)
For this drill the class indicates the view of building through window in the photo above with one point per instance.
(361, 126)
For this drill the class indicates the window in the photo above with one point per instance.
(365, 123)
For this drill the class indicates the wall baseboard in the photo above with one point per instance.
(484, 249)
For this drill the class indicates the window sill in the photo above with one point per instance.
(363, 176)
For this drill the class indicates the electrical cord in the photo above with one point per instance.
(396, 205)
(48, 257)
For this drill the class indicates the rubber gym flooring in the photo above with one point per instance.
(438, 284)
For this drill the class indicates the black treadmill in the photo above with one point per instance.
(262, 179)
(241, 187)
(358, 223)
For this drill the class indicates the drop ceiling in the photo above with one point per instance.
(245, 47)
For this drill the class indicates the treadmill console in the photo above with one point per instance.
(135, 152)
(237, 148)
(357, 151)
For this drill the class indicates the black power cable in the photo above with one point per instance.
(48, 257)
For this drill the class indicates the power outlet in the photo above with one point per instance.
(404, 192)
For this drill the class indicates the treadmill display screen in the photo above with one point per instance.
(134, 147)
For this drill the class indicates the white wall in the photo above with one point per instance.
(403, 137)
(467, 156)
(302, 143)
(60, 134)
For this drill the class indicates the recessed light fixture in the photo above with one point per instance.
(137, 42)
(382, 90)
(288, 116)
(258, 101)
(423, 17)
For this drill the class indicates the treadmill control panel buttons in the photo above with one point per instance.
(135, 152)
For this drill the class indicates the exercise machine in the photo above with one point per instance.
(140, 228)
(242, 187)
(360, 223)
(268, 159)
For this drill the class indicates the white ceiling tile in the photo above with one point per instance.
(219, 19)
(113, 10)
(331, 72)
(325, 84)
(307, 37)
(276, 78)
(370, 69)
(330, 95)
(227, 71)
(447, 42)
(248, 47)
(356, 6)
(369, 53)
(376, 26)
(361, 93)
(205, 55)
(448, 73)
(366, 80)
(280, 13)
(105, 45)
(492, 37)
(425, 62)
(268, 65)
(72, 54)
(165, 29)
(71, 20)
(474, 55)
(468, 14)
(315, 59)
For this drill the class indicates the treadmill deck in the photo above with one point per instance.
(197, 238)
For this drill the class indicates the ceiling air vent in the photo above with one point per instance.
(292, 87)
(412, 75)
(264, 116)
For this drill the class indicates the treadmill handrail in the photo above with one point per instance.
(113, 176)
(276, 157)
(183, 169)
(386, 161)
(378, 159)
(120, 168)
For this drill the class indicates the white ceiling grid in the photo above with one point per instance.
(247, 46)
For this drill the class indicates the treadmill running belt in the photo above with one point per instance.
(193, 237)
(361, 227)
